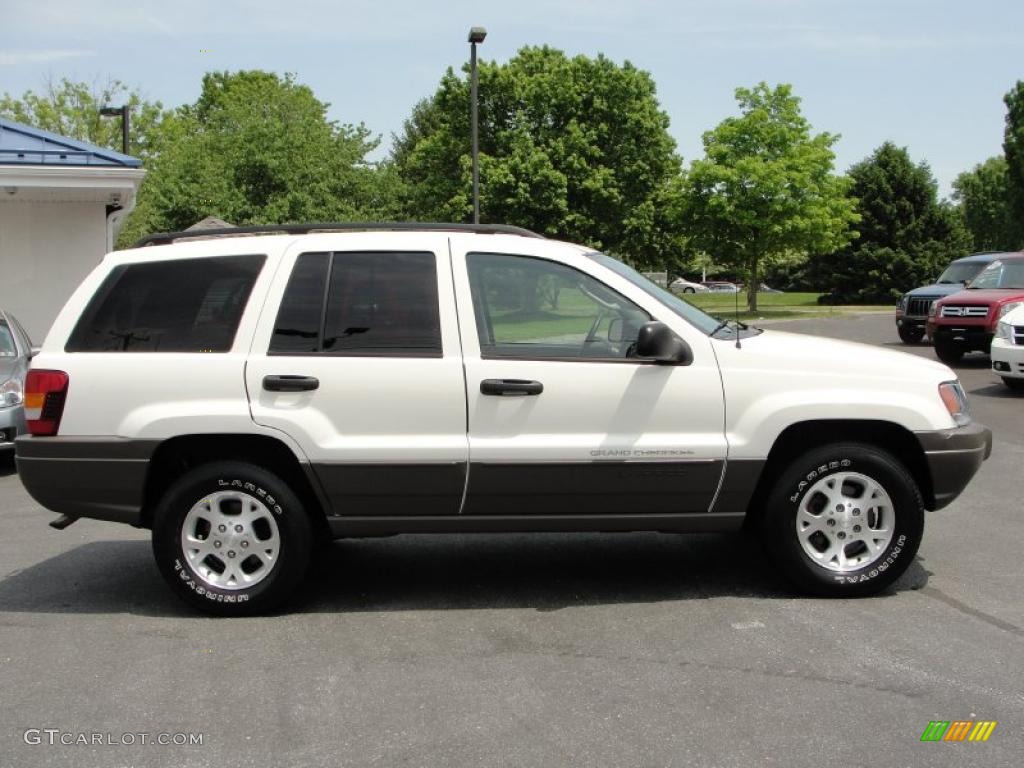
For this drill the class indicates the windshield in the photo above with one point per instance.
(960, 272)
(685, 310)
(1000, 274)
(7, 347)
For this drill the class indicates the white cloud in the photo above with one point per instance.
(11, 57)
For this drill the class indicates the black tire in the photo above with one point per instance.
(293, 530)
(1014, 384)
(795, 484)
(910, 334)
(688, 289)
(948, 352)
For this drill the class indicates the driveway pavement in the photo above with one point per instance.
(542, 650)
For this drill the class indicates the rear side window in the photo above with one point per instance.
(360, 304)
(186, 305)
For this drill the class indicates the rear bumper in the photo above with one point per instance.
(954, 456)
(101, 478)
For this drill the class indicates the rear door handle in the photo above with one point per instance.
(288, 383)
(510, 387)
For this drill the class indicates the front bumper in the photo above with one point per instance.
(12, 424)
(911, 321)
(953, 457)
(1007, 359)
(971, 338)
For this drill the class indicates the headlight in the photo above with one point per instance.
(1009, 307)
(11, 393)
(903, 302)
(1004, 331)
(955, 400)
(933, 309)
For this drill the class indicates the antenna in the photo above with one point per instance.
(736, 301)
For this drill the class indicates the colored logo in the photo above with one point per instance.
(958, 730)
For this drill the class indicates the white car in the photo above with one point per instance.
(1007, 350)
(244, 396)
(683, 285)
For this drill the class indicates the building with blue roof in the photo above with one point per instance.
(62, 203)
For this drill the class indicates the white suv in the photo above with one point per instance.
(1007, 351)
(245, 396)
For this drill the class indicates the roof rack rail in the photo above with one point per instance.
(166, 238)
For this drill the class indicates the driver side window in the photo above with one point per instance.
(528, 307)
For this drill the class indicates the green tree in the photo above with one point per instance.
(983, 195)
(1013, 147)
(571, 147)
(765, 192)
(905, 236)
(257, 148)
(72, 109)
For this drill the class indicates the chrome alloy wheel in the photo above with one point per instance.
(845, 521)
(230, 540)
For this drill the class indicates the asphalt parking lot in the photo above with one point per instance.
(544, 650)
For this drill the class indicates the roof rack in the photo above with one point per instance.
(166, 238)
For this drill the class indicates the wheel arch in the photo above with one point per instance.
(798, 438)
(177, 455)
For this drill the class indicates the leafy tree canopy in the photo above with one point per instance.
(571, 147)
(984, 197)
(1013, 147)
(905, 235)
(765, 192)
(257, 148)
(72, 109)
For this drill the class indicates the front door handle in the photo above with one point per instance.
(510, 387)
(288, 383)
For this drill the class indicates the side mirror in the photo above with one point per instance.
(658, 342)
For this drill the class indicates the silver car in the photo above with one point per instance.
(15, 354)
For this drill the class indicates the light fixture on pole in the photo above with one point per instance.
(476, 35)
(123, 112)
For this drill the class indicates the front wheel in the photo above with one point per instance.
(910, 334)
(231, 539)
(948, 352)
(844, 520)
(1015, 384)
(688, 289)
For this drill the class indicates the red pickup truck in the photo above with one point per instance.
(966, 321)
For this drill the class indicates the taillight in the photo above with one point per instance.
(45, 392)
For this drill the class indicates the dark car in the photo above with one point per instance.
(15, 354)
(912, 310)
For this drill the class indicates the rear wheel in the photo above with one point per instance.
(689, 289)
(1015, 384)
(948, 352)
(844, 520)
(910, 334)
(231, 539)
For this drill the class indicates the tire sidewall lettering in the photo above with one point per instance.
(872, 570)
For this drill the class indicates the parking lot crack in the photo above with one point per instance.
(972, 612)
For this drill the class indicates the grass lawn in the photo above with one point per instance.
(574, 314)
(774, 305)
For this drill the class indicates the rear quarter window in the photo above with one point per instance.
(185, 305)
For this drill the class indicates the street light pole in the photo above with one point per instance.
(123, 112)
(476, 35)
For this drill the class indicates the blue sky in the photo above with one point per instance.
(927, 74)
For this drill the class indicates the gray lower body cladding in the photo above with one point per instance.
(953, 457)
(105, 479)
(101, 478)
